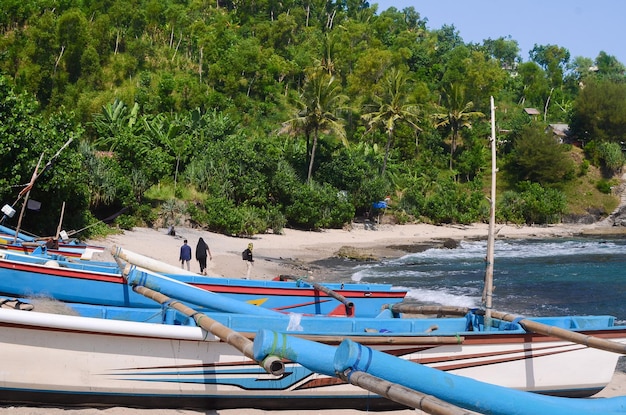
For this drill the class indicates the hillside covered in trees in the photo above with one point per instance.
(248, 116)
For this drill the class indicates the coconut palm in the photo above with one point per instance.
(317, 107)
(457, 114)
(394, 105)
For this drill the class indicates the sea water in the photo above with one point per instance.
(531, 277)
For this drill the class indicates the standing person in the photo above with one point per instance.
(246, 255)
(201, 254)
(185, 255)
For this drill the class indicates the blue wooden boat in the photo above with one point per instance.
(24, 243)
(159, 358)
(351, 358)
(101, 283)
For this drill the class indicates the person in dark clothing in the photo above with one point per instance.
(202, 249)
(185, 255)
(246, 255)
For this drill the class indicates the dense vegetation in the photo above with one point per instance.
(249, 116)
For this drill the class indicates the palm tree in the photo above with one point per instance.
(457, 115)
(393, 106)
(318, 105)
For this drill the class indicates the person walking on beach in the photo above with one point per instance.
(201, 255)
(246, 255)
(185, 255)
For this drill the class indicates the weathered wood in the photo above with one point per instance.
(487, 297)
(564, 334)
(349, 304)
(375, 340)
(438, 310)
(402, 394)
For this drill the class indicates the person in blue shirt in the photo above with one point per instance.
(185, 255)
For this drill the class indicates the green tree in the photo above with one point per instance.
(609, 66)
(458, 114)
(73, 38)
(25, 136)
(171, 133)
(600, 111)
(393, 105)
(505, 50)
(318, 106)
(553, 59)
(534, 84)
(538, 157)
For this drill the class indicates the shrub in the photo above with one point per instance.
(126, 222)
(147, 215)
(316, 207)
(533, 205)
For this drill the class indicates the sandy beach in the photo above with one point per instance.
(295, 253)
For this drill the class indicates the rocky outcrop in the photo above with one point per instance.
(618, 216)
(592, 216)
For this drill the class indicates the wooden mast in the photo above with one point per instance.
(26, 193)
(488, 289)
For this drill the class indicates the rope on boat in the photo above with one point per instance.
(271, 364)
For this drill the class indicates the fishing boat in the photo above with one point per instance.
(12, 240)
(172, 357)
(413, 384)
(101, 283)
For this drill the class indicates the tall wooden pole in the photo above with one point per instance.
(488, 290)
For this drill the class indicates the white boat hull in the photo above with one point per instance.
(86, 361)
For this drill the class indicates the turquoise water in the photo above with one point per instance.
(531, 277)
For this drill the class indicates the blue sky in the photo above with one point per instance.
(583, 27)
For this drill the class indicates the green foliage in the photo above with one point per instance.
(26, 138)
(455, 204)
(182, 103)
(600, 111)
(352, 171)
(316, 207)
(223, 216)
(532, 204)
(172, 211)
(392, 105)
(146, 214)
(604, 186)
(538, 157)
(456, 114)
(584, 168)
(413, 202)
(126, 222)
(605, 155)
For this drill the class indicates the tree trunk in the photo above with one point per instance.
(389, 138)
(310, 174)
